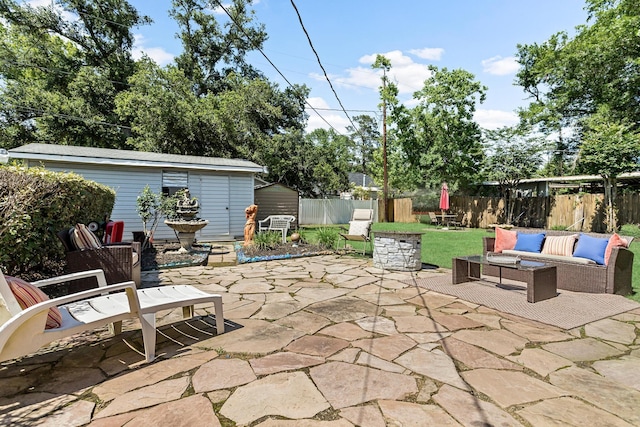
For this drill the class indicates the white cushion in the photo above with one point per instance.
(362, 215)
(542, 257)
(559, 245)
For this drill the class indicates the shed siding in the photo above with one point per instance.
(214, 205)
(213, 191)
(277, 199)
(242, 197)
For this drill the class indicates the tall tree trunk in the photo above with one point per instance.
(610, 184)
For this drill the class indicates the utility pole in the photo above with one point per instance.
(385, 65)
(385, 176)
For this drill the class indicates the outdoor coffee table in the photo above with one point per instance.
(540, 277)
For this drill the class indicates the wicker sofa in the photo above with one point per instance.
(575, 274)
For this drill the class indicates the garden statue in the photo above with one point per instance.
(185, 224)
(250, 226)
(187, 207)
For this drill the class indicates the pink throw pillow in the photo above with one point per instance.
(27, 295)
(614, 241)
(505, 240)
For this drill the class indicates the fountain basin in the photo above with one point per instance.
(186, 231)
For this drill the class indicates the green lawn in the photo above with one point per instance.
(439, 246)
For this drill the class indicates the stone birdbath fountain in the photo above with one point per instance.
(186, 224)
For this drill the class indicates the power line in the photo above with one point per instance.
(321, 66)
(42, 112)
(57, 70)
(272, 64)
(353, 111)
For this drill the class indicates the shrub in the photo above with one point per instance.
(424, 219)
(327, 237)
(632, 230)
(34, 205)
(267, 240)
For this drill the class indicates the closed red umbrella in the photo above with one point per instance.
(444, 199)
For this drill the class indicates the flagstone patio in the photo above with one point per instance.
(332, 341)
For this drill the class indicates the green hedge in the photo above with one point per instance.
(34, 205)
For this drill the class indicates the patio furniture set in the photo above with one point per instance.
(551, 260)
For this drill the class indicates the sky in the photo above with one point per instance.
(479, 36)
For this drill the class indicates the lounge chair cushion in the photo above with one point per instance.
(505, 240)
(27, 295)
(529, 242)
(83, 238)
(559, 245)
(614, 241)
(591, 248)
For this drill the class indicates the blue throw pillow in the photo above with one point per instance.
(529, 242)
(591, 248)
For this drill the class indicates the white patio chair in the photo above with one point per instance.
(280, 223)
(22, 331)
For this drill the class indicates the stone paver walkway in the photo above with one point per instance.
(332, 341)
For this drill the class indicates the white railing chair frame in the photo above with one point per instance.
(280, 223)
(24, 331)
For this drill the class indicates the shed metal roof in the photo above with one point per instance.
(107, 156)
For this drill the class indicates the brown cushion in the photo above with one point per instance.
(28, 295)
(83, 238)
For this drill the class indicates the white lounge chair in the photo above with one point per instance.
(359, 228)
(23, 331)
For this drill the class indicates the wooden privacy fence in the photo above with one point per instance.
(580, 212)
(398, 210)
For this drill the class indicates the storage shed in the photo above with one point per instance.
(223, 187)
(277, 199)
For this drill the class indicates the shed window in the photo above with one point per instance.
(174, 181)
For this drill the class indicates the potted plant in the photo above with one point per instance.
(151, 207)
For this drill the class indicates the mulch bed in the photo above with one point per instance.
(166, 255)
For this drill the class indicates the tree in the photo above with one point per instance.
(388, 96)
(439, 136)
(366, 139)
(512, 155)
(61, 77)
(610, 147)
(329, 161)
(211, 51)
(569, 79)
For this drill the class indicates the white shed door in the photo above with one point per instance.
(214, 205)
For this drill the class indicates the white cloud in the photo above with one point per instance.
(67, 16)
(337, 120)
(494, 119)
(158, 54)
(432, 53)
(500, 66)
(409, 76)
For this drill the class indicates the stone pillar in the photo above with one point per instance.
(397, 251)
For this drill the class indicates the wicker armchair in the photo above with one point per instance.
(119, 261)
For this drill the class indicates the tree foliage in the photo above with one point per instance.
(512, 155)
(61, 76)
(439, 136)
(610, 147)
(570, 78)
(366, 140)
(213, 51)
